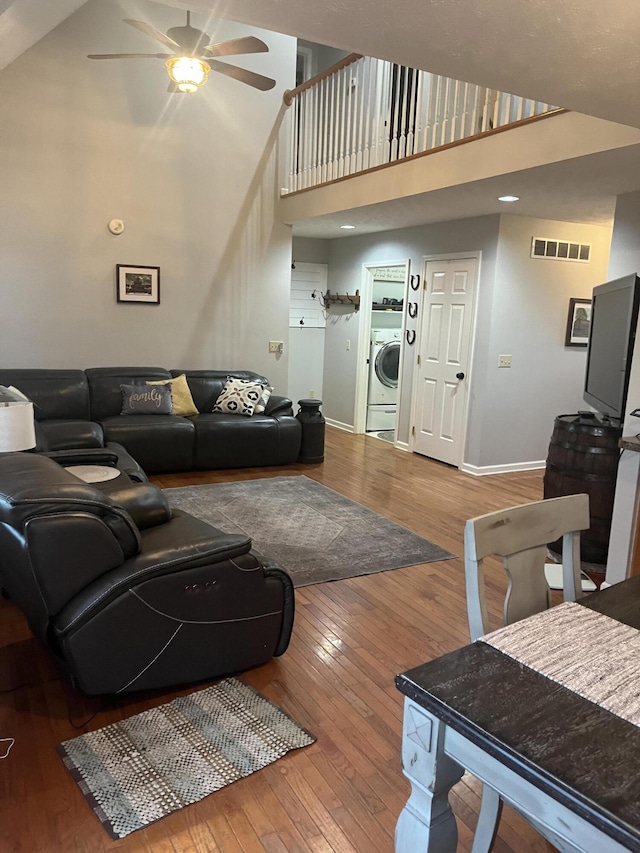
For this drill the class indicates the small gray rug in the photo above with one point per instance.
(387, 435)
(138, 770)
(314, 533)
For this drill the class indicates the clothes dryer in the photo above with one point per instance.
(384, 364)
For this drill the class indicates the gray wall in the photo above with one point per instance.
(322, 56)
(347, 256)
(522, 307)
(193, 177)
(310, 251)
(514, 409)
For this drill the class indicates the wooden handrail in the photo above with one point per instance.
(290, 94)
(438, 149)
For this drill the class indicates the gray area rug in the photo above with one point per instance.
(314, 533)
(139, 770)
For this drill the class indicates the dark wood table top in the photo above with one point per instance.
(581, 754)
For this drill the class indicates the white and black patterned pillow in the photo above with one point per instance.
(239, 397)
(264, 399)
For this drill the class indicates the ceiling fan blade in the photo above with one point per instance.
(153, 32)
(234, 47)
(129, 55)
(244, 76)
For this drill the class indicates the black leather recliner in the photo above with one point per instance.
(127, 593)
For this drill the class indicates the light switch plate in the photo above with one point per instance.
(504, 361)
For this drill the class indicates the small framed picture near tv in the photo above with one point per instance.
(578, 323)
(135, 283)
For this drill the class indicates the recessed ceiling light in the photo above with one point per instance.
(509, 198)
(348, 227)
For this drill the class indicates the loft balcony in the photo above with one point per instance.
(365, 114)
(390, 144)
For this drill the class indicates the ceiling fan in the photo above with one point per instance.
(193, 56)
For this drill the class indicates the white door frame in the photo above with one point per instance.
(450, 256)
(362, 368)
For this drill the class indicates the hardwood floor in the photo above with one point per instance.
(344, 793)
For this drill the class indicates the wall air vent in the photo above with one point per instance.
(560, 250)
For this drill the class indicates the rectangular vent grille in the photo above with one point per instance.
(560, 250)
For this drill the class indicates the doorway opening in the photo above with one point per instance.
(380, 355)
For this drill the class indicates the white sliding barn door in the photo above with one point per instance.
(444, 347)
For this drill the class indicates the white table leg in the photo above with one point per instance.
(488, 820)
(426, 823)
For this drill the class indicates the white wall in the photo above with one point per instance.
(306, 345)
(306, 363)
(193, 177)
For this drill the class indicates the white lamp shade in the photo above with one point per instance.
(17, 430)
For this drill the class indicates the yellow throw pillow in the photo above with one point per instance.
(180, 395)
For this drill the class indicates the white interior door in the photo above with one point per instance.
(444, 347)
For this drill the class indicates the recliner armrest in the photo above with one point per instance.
(279, 406)
(146, 504)
(83, 456)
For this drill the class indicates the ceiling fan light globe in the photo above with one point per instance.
(188, 72)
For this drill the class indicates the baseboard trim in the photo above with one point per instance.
(402, 445)
(339, 425)
(485, 470)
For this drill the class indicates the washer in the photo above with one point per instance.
(384, 362)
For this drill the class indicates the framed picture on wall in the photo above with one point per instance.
(136, 283)
(578, 323)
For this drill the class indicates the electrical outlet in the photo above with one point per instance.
(276, 346)
(312, 395)
(504, 361)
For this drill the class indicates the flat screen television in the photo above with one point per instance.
(614, 316)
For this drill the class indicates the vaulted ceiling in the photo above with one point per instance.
(577, 54)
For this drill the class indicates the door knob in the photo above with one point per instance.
(459, 375)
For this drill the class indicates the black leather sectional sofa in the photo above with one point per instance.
(82, 408)
(127, 593)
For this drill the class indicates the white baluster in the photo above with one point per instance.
(334, 119)
(496, 107)
(369, 71)
(359, 66)
(455, 131)
(341, 91)
(423, 78)
(325, 129)
(293, 148)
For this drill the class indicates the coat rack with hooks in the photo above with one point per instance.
(342, 299)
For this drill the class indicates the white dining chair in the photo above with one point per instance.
(519, 535)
